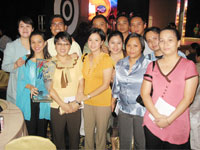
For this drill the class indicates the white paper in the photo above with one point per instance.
(117, 109)
(163, 108)
(71, 99)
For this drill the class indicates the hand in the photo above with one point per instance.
(160, 116)
(162, 122)
(74, 55)
(113, 104)
(81, 97)
(67, 108)
(113, 76)
(34, 90)
(75, 106)
(104, 49)
(19, 63)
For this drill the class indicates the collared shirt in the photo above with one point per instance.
(72, 86)
(126, 86)
(147, 50)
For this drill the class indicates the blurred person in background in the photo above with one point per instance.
(122, 25)
(4, 39)
(195, 111)
(100, 22)
(192, 55)
(137, 25)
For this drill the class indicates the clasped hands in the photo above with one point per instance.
(162, 121)
(74, 105)
(70, 107)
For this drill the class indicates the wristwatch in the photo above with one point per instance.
(88, 96)
(79, 103)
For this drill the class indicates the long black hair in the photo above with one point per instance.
(45, 50)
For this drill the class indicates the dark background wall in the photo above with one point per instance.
(193, 16)
(162, 12)
(136, 6)
(11, 10)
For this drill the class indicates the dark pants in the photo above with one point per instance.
(69, 123)
(153, 142)
(36, 126)
(131, 126)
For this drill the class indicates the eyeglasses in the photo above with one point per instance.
(63, 44)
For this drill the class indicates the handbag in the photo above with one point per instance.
(139, 98)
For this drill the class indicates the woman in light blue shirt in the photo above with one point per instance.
(13, 55)
(36, 114)
(126, 88)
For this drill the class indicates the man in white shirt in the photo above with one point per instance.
(58, 25)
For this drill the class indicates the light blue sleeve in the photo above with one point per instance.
(23, 94)
(9, 58)
(181, 54)
(44, 107)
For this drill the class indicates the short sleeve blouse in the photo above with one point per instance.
(170, 87)
(72, 87)
(93, 76)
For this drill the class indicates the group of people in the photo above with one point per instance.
(114, 70)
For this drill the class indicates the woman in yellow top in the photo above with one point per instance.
(97, 72)
(65, 117)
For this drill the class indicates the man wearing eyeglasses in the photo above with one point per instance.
(57, 25)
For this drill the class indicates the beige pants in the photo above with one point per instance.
(96, 117)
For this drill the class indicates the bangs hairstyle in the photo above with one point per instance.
(116, 33)
(99, 32)
(135, 35)
(26, 20)
(45, 50)
(153, 29)
(175, 31)
(63, 36)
